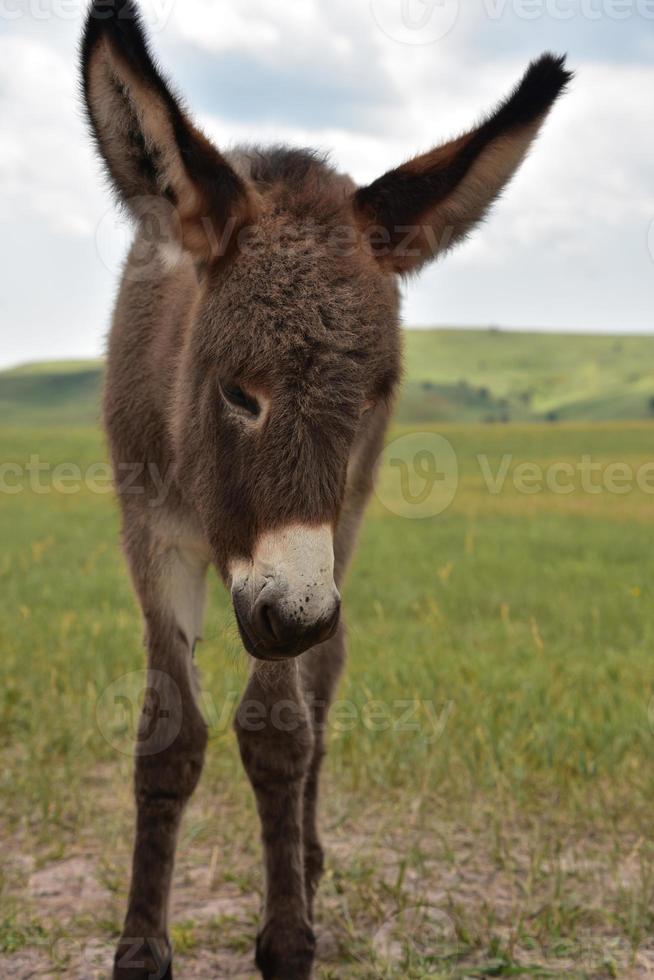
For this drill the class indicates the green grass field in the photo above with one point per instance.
(489, 786)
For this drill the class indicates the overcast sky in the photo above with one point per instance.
(570, 246)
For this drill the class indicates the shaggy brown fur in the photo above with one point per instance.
(253, 358)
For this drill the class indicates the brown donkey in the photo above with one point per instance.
(253, 359)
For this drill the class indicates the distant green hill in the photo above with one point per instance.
(451, 375)
(57, 393)
(495, 375)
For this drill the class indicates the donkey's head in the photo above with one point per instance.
(289, 354)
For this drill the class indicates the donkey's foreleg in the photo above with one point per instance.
(321, 668)
(169, 753)
(275, 736)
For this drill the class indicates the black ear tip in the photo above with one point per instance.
(113, 18)
(543, 82)
(120, 22)
(549, 73)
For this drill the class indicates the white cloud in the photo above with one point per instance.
(296, 30)
(220, 26)
(46, 167)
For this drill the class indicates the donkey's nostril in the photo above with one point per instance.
(267, 620)
(269, 624)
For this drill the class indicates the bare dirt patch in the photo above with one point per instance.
(409, 898)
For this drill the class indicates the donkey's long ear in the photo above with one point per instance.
(149, 146)
(433, 201)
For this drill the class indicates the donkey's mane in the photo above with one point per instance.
(288, 165)
(302, 180)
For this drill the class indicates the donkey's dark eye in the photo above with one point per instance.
(237, 398)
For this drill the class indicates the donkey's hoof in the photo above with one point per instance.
(143, 959)
(285, 952)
